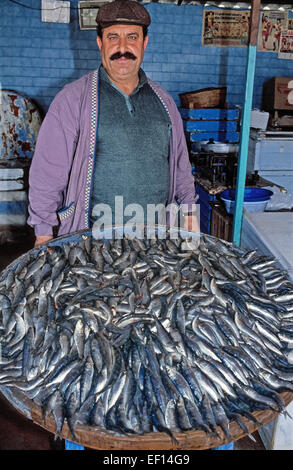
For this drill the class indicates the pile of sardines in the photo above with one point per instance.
(147, 335)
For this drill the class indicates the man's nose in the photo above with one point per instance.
(122, 44)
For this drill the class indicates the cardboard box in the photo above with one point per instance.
(276, 94)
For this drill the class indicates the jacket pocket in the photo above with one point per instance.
(66, 212)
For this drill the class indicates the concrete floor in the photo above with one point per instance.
(18, 432)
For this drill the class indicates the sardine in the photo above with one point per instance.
(150, 335)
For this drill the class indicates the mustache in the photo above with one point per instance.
(118, 55)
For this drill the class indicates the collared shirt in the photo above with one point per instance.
(132, 152)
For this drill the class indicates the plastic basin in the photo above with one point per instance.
(255, 199)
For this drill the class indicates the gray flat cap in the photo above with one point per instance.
(123, 11)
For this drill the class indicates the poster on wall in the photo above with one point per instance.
(87, 12)
(269, 32)
(286, 44)
(290, 23)
(225, 28)
(55, 11)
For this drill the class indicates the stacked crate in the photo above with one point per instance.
(219, 124)
(202, 125)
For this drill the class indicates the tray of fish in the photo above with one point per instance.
(182, 341)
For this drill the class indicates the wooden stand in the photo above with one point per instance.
(221, 223)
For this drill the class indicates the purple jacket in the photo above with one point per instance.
(60, 179)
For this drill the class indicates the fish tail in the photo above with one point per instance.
(251, 437)
(286, 414)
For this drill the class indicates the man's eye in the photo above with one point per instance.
(133, 38)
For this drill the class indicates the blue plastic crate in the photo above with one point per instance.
(231, 113)
(229, 446)
(210, 126)
(229, 136)
(72, 446)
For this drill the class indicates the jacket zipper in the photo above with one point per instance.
(93, 140)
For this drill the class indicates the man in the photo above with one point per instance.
(266, 31)
(277, 34)
(111, 133)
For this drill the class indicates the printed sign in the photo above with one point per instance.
(225, 28)
(286, 44)
(270, 27)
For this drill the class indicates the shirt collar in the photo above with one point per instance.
(141, 77)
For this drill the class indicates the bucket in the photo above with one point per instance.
(255, 199)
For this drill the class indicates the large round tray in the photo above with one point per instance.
(96, 438)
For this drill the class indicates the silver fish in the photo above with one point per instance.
(138, 336)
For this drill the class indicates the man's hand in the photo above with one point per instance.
(42, 239)
(191, 223)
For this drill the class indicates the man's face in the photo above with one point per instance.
(122, 39)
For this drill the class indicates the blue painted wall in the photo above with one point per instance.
(39, 58)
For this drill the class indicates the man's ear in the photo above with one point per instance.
(99, 42)
(145, 43)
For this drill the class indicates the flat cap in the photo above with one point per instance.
(123, 11)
